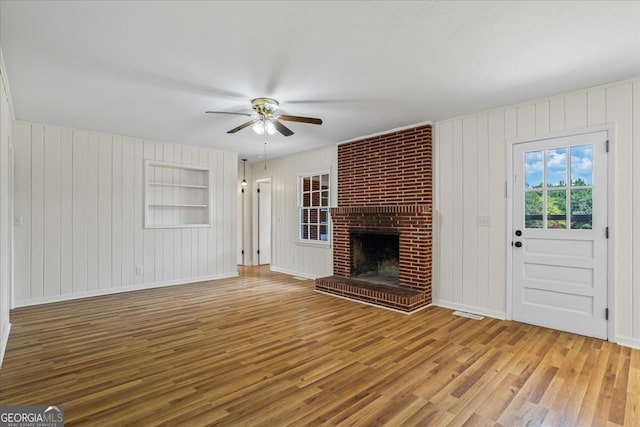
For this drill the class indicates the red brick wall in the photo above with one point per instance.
(391, 169)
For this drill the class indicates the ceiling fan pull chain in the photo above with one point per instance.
(265, 155)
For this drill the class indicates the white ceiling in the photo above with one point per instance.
(150, 69)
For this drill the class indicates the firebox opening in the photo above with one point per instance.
(375, 257)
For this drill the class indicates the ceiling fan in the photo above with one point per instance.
(265, 120)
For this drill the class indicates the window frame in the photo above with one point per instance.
(325, 205)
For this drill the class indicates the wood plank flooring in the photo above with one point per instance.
(265, 349)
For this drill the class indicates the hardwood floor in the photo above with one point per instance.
(265, 349)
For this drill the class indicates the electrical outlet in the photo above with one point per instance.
(139, 270)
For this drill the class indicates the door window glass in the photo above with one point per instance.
(549, 202)
(582, 165)
(557, 209)
(533, 206)
(533, 168)
(557, 167)
(581, 209)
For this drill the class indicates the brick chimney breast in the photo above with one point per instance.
(385, 185)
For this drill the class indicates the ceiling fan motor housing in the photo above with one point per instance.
(265, 106)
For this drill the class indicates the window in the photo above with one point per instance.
(314, 208)
(559, 188)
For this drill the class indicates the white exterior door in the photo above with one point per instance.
(559, 246)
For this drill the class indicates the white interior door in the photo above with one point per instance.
(559, 233)
(264, 223)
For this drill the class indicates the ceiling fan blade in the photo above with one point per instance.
(282, 128)
(227, 112)
(300, 119)
(242, 126)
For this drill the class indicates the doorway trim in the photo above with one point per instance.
(255, 219)
(610, 129)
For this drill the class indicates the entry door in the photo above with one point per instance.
(559, 233)
(264, 223)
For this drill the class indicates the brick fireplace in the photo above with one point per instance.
(384, 188)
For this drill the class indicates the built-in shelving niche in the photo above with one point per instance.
(176, 195)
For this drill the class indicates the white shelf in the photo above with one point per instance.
(176, 205)
(178, 226)
(165, 184)
(176, 195)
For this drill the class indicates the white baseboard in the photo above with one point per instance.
(470, 309)
(628, 342)
(109, 291)
(4, 341)
(294, 273)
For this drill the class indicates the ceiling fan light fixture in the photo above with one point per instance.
(269, 127)
(264, 126)
(258, 127)
(265, 121)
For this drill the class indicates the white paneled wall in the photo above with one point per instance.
(288, 255)
(79, 203)
(6, 119)
(470, 168)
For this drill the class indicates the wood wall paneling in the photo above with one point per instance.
(596, 107)
(22, 208)
(483, 191)
(66, 211)
(619, 111)
(6, 203)
(542, 117)
(469, 210)
(37, 212)
(138, 218)
(575, 110)
(80, 197)
(80, 200)
(93, 223)
(635, 220)
(128, 209)
(444, 245)
(496, 251)
(556, 114)
(457, 194)
(116, 212)
(526, 120)
(52, 216)
(105, 203)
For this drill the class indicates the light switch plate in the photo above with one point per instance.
(483, 221)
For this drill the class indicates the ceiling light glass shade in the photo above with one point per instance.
(269, 127)
(264, 126)
(258, 127)
(244, 183)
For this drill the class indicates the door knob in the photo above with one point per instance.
(518, 244)
(518, 233)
